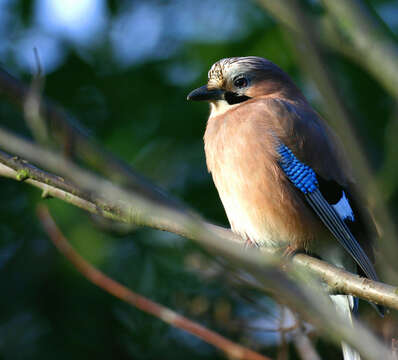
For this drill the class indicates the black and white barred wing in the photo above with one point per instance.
(333, 216)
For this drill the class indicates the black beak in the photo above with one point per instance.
(204, 94)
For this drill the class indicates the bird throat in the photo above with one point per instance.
(220, 107)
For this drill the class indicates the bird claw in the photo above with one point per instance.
(289, 252)
(249, 243)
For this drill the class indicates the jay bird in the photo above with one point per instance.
(280, 171)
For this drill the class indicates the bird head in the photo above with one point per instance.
(238, 79)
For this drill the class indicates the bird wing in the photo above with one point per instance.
(305, 180)
(335, 198)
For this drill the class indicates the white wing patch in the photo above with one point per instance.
(343, 208)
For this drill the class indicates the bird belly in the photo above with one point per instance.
(260, 202)
(261, 211)
(243, 220)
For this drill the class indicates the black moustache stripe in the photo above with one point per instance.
(233, 98)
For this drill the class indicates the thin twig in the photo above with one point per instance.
(31, 105)
(367, 34)
(394, 348)
(304, 346)
(64, 130)
(240, 325)
(55, 186)
(283, 350)
(144, 304)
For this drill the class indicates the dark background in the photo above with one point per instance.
(123, 70)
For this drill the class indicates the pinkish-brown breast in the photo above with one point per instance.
(260, 203)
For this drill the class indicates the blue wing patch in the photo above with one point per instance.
(305, 179)
(302, 176)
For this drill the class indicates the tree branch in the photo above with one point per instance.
(338, 280)
(142, 303)
(304, 346)
(310, 301)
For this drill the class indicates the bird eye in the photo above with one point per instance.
(241, 82)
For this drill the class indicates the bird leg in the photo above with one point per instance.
(287, 256)
(249, 243)
(289, 252)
